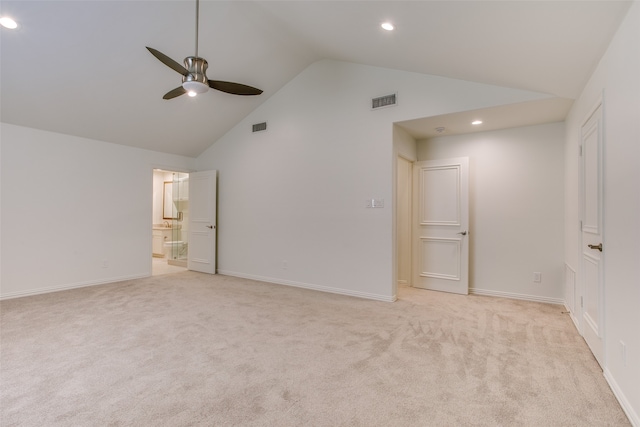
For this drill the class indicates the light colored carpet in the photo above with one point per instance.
(190, 349)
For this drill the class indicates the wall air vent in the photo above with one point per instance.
(384, 101)
(258, 127)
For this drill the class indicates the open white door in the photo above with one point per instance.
(592, 300)
(202, 222)
(441, 225)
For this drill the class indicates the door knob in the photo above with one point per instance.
(464, 233)
(598, 247)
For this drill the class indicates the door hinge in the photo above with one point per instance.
(580, 150)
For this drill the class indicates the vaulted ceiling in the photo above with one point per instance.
(81, 67)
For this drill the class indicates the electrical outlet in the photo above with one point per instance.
(537, 277)
(623, 353)
(105, 263)
(284, 265)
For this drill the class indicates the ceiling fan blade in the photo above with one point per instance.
(168, 61)
(234, 88)
(174, 93)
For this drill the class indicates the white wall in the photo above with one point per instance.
(515, 208)
(68, 205)
(617, 81)
(295, 194)
(404, 144)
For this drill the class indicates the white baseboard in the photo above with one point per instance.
(536, 298)
(310, 286)
(633, 416)
(59, 288)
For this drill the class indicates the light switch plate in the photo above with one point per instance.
(374, 203)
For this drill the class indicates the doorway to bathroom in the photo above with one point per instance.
(170, 234)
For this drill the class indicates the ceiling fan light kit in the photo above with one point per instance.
(194, 74)
(195, 87)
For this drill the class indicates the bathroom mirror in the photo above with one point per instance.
(168, 211)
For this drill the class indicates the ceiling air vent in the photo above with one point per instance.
(384, 101)
(258, 127)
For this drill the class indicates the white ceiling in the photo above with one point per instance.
(550, 110)
(81, 67)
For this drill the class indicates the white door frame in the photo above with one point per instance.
(409, 247)
(166, 168)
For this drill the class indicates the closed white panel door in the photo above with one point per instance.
(202, 222)
(592, 235)
(441, 225)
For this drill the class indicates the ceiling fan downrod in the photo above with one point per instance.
(197, 21)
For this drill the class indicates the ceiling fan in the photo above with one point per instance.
(194, 77)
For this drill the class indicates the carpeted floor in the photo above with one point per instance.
(190, 349)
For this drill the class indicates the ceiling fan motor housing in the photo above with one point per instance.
(196, 79)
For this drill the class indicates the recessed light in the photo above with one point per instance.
(7, 22)
(476, 122)
(387, 26)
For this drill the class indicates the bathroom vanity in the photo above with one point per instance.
(159, 237)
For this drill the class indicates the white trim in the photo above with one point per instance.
(406, 157)
(526, 297)
(627, 407)
(166, 168)
(320, 288)
(59, 288)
